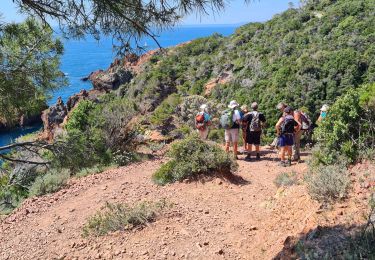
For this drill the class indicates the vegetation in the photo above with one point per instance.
(346, 135)
(192, 157)
(120, 217)
(328, 182)
(29, 68)
(285, 179)
(97, 135)
(305, 57)
(349, 130)
(49, 182)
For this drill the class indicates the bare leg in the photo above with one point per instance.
(235, 148)
(257, 148)
(249, 148)
(289, 149)
(282, 153)
(227, 144)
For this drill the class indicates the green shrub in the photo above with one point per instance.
(49, 182)
(328, 183)
(122, 217)
(88, 171)
(286, 179)
(165, 110)
(216, 135)
(192, 157)
(349, 126)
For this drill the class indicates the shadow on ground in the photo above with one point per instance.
(337, 242)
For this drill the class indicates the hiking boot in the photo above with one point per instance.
(289, 162)
(258, 156)
(248, 158)
(282, 163)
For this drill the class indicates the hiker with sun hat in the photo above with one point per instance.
(230, 120)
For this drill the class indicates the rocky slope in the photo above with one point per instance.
(212, 219)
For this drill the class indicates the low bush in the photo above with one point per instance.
(122, 217)
(216, 135)
(286, 179)
(328, 183)
(50, 182)
(192, 157)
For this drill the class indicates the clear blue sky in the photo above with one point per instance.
(236, 12)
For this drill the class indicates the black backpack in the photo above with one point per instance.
(255, 125)
(287, 126)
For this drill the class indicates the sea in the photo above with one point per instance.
(81, 57)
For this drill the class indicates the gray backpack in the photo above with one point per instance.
(255, 122)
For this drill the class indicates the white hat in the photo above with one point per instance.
(203, 107)
(324, 108)
(233, 104)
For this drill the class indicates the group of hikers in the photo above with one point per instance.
(290, 127)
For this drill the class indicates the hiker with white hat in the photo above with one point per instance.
(230, 120)
(323, 112)
(202, 121)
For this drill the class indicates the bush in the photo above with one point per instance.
(49, 182)
(349, 127)
(192, 157)
(122, 217)
(95, 131)
(216, 135)
(328, 183)
(286, 179)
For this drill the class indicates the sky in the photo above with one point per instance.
(236, 12)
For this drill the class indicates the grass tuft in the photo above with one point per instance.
(120, 217)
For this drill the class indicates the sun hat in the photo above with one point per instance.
(254, 105)
(203, 107)
(233, 104)
(281, 105)
(324, 108)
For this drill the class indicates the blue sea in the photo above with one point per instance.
(81, 57)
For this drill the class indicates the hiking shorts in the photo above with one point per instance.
(253, 137)
(286, 140)
(231, 135)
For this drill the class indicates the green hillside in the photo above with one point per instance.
(306, 57)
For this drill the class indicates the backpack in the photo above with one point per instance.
(255, 122)
(200, 123)
(306, 121)
(288, 124)
(226, 119)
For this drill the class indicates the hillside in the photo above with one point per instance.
(109, 144)
(306, 57)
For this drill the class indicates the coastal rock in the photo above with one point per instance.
(91, 95)
(107, 81)
(121, 71)
(52, 118)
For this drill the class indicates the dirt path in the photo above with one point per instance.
(211, 220)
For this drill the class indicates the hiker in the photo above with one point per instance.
(244, 110)
(202, 121)
(285, 128)
(305, 123)
(254, 122)
(323, 112)
(281, 106)
(230, 120)
(275, 143)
